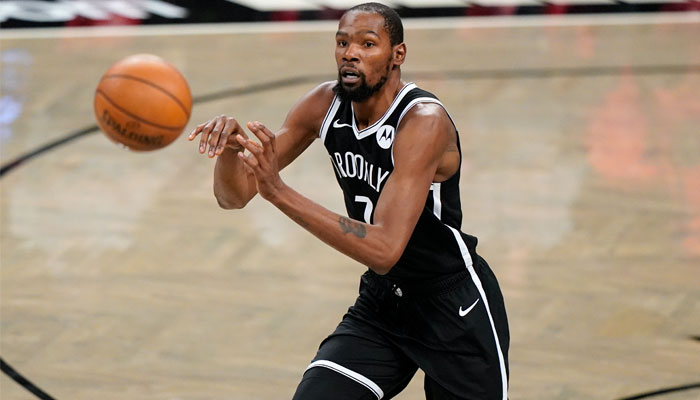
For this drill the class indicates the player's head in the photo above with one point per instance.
(369, 48)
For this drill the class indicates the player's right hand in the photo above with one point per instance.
(219, 132)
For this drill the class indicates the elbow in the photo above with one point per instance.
(227, 199)
(228, 202)
(386, 261)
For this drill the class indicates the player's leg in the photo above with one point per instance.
(325, 383)
(496, 305)
(349, 367)
(467, 339)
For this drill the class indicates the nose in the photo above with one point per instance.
(351, 53)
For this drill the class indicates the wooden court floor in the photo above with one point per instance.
(121, 279)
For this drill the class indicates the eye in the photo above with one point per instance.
(369, 44)
(342, 43)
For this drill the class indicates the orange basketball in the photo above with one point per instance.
(143, 102)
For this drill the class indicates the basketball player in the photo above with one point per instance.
(427, 300)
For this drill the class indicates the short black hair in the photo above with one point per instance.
(392, 20)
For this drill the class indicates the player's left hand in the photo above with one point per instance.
(262, 160)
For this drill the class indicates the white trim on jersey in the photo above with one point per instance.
(475, 278)
(437, 203)
(327, 119)
(372, 129)
(409, 106)
(361, 379)
(422, 100)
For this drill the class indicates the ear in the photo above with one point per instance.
(399, 54)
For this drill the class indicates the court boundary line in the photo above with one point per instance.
(659, 392)
(437, 23)
(24, 382)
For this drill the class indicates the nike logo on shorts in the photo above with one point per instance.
(462, 313)
(337, 124)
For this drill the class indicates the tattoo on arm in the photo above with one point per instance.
(350, 226)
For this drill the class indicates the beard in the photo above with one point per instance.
(360, 93)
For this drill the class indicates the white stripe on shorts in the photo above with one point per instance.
(364, 381)
(468, 262)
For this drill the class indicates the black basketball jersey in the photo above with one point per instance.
(363, 162)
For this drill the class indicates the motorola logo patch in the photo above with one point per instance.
(385, 136)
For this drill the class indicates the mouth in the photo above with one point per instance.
(349, 76)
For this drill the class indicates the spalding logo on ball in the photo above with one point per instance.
(143, 102)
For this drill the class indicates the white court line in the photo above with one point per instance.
(331, 26)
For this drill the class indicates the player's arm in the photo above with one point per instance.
(234, 186)
(418, 150)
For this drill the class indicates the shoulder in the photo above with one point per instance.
(426, 110)
(324, 89)
(426, 115)
(427, 130)
(312, 107)
(319, 98)
(309, 111)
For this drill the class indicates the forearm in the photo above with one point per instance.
(233, 185)
(363, 242)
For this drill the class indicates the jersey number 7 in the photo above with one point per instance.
(369, 207)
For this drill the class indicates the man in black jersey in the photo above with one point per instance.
(427, 300)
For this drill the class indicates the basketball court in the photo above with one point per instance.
(122, 279)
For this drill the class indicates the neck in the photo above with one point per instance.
(370, 110)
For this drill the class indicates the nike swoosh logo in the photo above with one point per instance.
(465, 312)
(336, 124)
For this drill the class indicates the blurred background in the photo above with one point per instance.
(120, 278)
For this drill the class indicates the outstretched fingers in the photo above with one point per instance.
(255, 150)
(216, 133)
(264, 153)
(231, 127)
(202, 129)
(266, 137)
(215, 137)
(205, 135)
(197, 129)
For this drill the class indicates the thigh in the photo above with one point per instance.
(465, 340)
(496, 303)
(362, 365)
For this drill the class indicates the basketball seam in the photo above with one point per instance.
(170, 128)
(135, 78)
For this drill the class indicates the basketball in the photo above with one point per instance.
(143, 102)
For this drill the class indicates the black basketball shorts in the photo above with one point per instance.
(455, 329)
